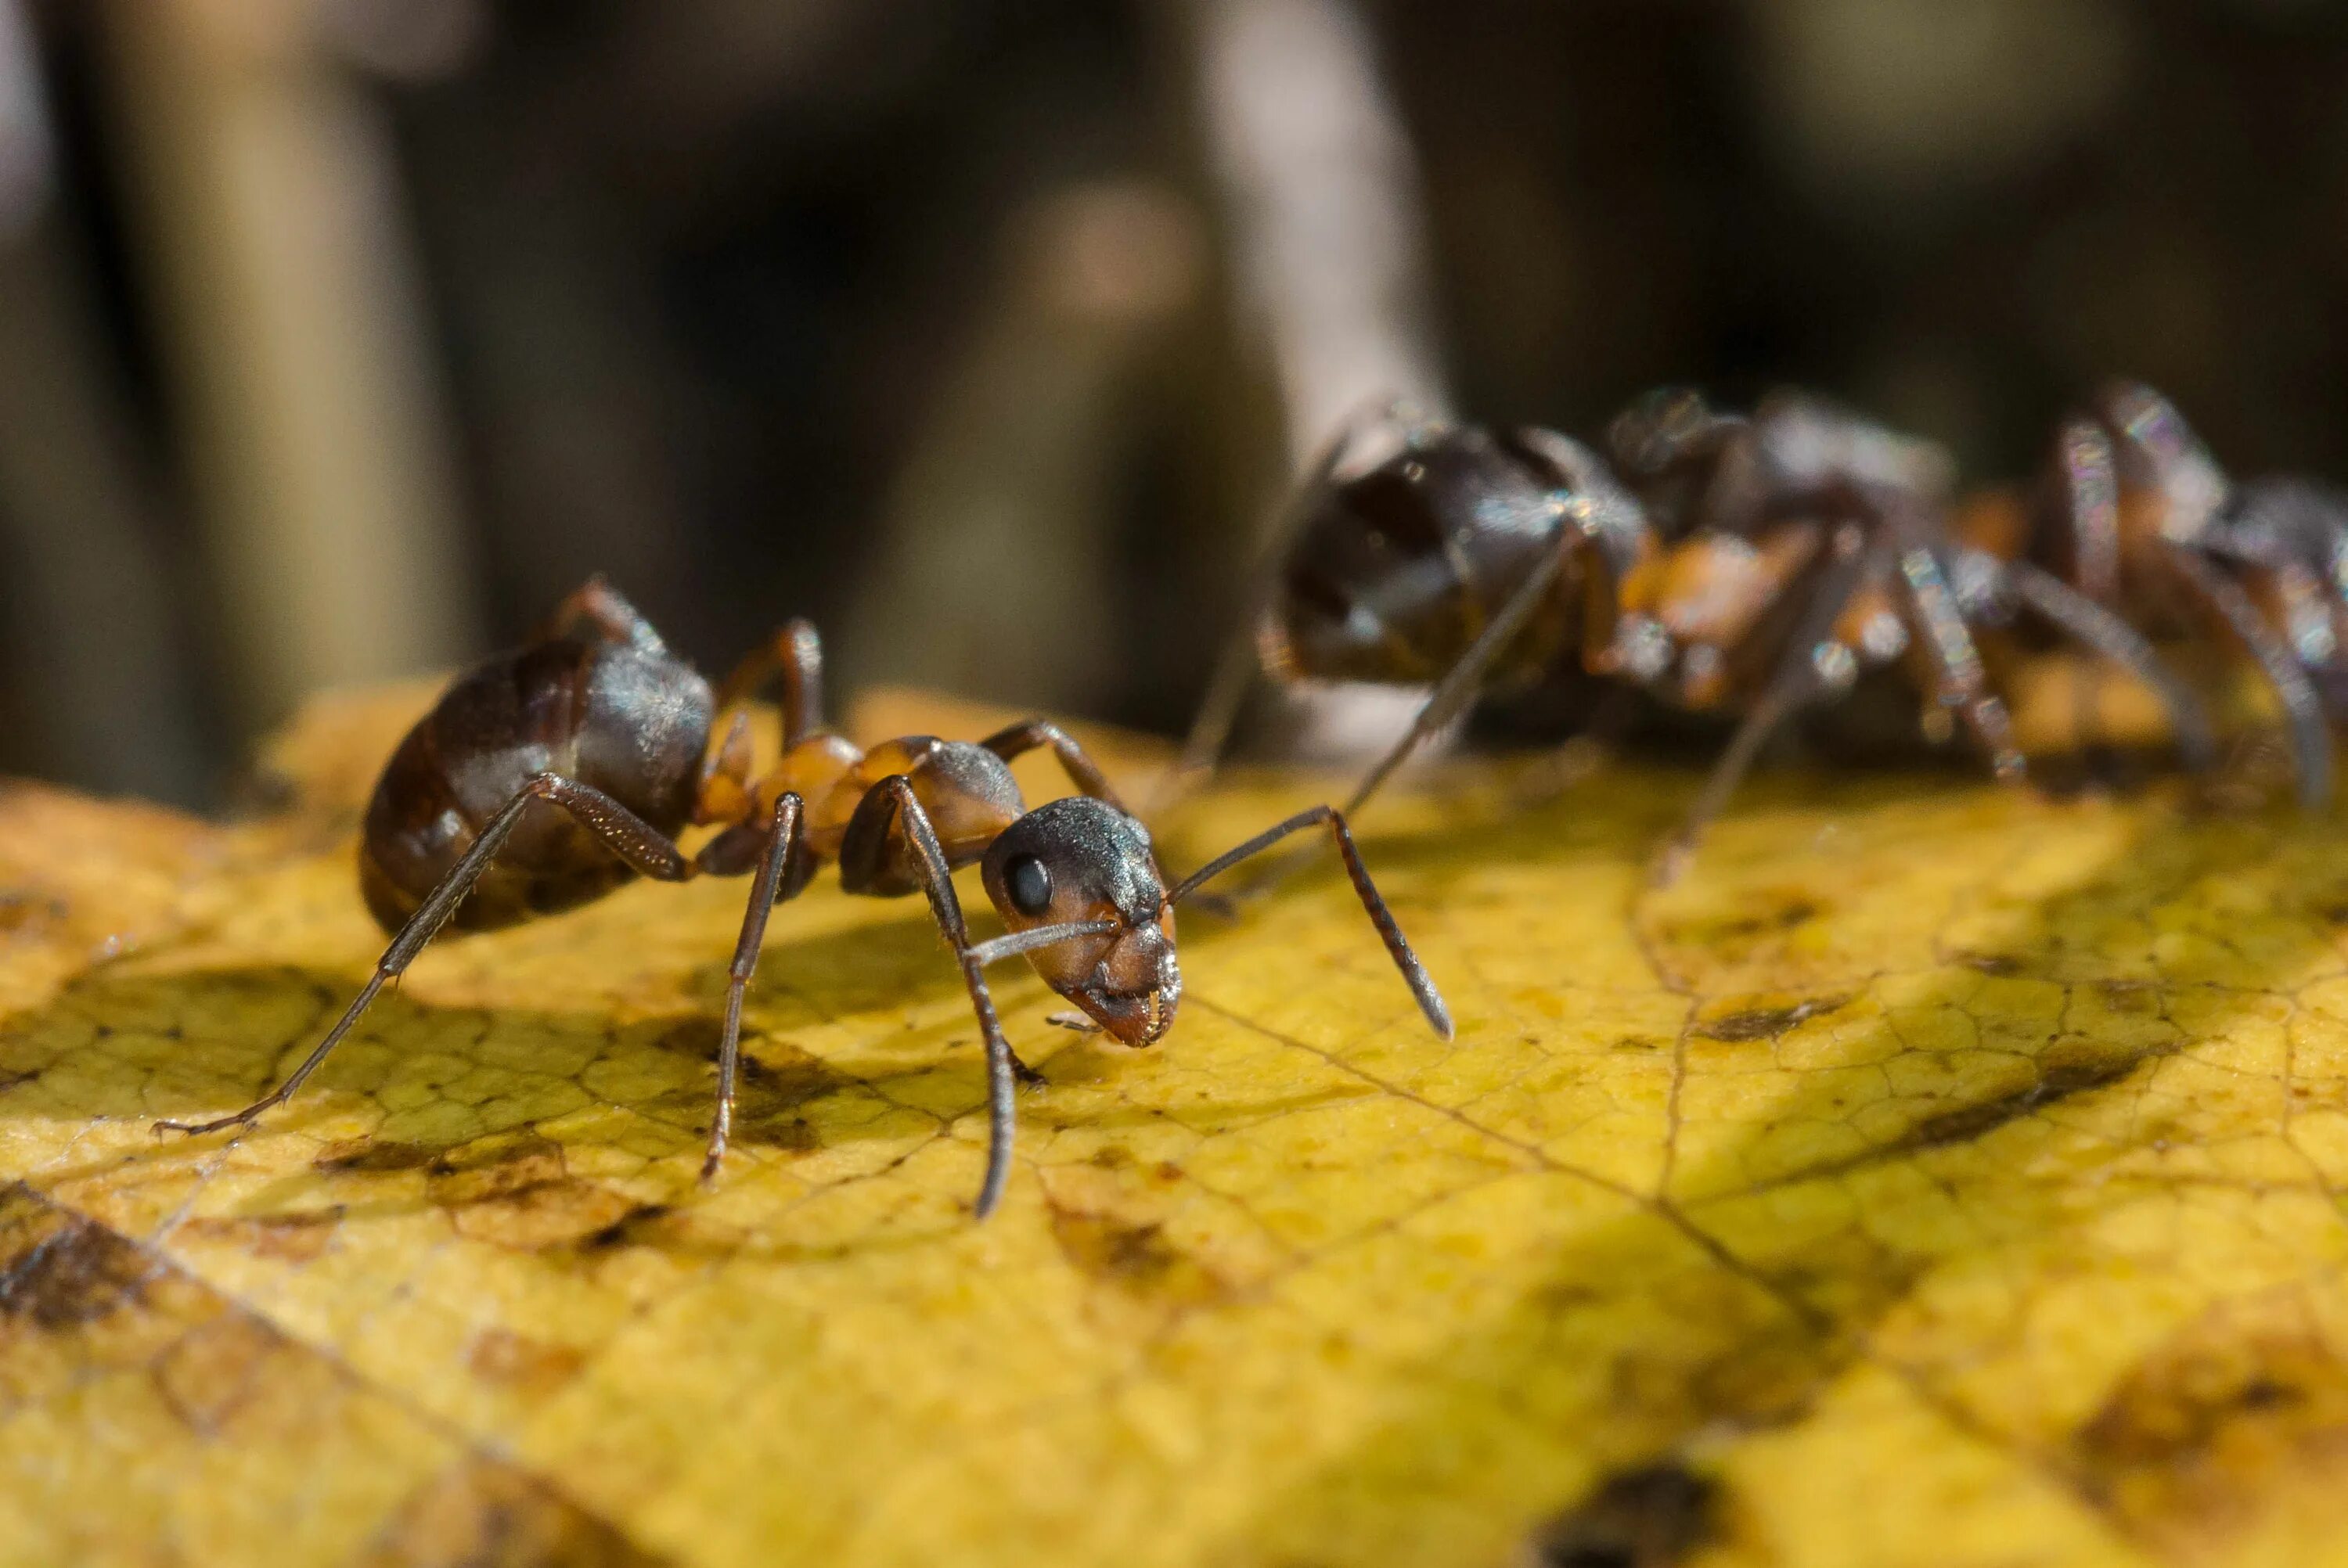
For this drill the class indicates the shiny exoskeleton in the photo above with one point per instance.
(1747, 564)
(547, 777)
(2135, 511)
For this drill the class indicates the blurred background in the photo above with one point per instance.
(339, 338)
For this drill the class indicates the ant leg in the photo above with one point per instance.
(2091, 501)
(1452, 695)
(2095, 627)
(1949, 645)
(937, 881)
(598, 605)
(723, 791)
(2192, 487)
(2311, 743)
(1795, 680)
(795, 653)
(1413, 973)
(1235, 667)
(782, 836)
(1460, 683)
(623, 832)
(1082, 770)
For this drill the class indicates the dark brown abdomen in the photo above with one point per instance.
(630, 724)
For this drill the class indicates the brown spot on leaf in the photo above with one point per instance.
(373, 1154)
(2238, 1423)
(638, 1225)
(294, 1237)
(210, 1372)
(512, 1190)
(525, 1366)
(1765, 918)
(61, 1270)
(1136, 1258)
(2066, 1069)
(483, 1514)
(1654, 1516)
(1765, 1023)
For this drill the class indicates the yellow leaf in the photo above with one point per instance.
(1937, 1175)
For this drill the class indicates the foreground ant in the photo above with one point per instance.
(2136, 511)
(1755, 565)
(550, 776)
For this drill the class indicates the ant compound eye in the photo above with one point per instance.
(1029, 884)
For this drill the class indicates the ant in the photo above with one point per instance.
(550, 776)
(1751, 564)
(2134, 509)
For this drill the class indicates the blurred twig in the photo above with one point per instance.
(1321, 207)
(291, 316)
(994, 576)
(108, 701)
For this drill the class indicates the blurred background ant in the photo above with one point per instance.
(1753, 565)
(2139, 514)
(547, 777)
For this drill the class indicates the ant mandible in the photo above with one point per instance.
(550, 776)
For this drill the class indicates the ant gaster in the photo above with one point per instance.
(550, 776)
(1754, 564)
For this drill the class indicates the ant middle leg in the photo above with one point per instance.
(2310, 740)
(795, 655)
(597, 605)
(1018, 740)
(1803, 672)
(647, 851)
(1949, 647)
(1980, 578)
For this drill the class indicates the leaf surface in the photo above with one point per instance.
(1937, 1175)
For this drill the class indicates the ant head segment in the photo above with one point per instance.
(1079, 860)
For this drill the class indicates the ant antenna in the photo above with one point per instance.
(1413, 973)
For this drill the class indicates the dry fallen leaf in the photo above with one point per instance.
(1938, 1175)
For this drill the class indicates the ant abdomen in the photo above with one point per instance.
(630, 722)
(1397, 569)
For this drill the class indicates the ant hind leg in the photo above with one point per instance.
(635, 841)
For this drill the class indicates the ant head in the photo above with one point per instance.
(1373, 575)
(1664, 428)
(1079, 860)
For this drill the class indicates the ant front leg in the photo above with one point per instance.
(782, 837)
(2310, 742)
(645, 849)
(1810, 664)
(906, 822)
